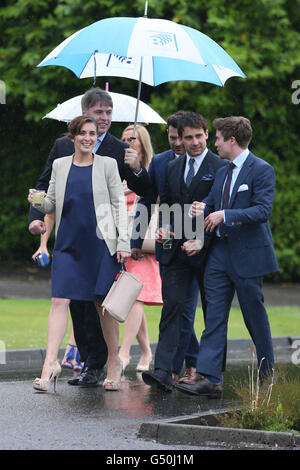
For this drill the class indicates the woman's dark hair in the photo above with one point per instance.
(76, 124)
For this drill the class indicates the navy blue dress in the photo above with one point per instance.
(82, 267)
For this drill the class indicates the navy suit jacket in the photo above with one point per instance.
(110, 147)
(247, 218)
(156, 172)
(175, 192)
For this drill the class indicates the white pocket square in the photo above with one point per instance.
(243, 187)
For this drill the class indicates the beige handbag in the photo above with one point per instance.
(121, 296)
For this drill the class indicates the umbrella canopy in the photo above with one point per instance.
(156, 72)
(123, 110)
(168, 51)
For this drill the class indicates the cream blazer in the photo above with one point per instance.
(109, 200)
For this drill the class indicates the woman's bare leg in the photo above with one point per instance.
(110, 328)
(57, 328)
(131, 327)
(143, 340)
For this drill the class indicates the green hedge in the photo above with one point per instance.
(261, 35)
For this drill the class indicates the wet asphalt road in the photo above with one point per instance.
(76, 418)
(93, 419)
(87, 419)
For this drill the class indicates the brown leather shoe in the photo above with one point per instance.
(189, 376)
(202, 386)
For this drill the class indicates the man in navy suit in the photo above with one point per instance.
(188, 346)
(87, 329)
(187, 179)
(238, 210)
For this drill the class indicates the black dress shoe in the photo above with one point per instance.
(88, 377)
(91, 377)
(159, 377)
(201, 386)
(75, 380)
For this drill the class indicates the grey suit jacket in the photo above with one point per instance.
(109, 200)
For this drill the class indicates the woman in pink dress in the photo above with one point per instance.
(146, 268)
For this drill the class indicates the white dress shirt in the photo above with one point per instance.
(197, 163)
(239, 162)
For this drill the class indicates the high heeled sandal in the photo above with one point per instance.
(114, 385)
(78, 366)
(69, 356)
(141, 367)
(43, 385)
(125, 361)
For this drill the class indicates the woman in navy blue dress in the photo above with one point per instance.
(86, 193)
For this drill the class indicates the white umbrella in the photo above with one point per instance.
(123, 111)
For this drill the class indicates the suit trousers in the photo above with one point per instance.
(88, 334)
(220, 283)
(188, 345)
(177, 277)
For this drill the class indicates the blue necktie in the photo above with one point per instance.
(226, 196)
(191, 172)
(97, 145)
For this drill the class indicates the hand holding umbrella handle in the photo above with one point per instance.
(132, 141)
(132, 159)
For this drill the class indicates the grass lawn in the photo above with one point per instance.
(23, 323)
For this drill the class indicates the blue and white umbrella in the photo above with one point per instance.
(168, 51)
(150, 50)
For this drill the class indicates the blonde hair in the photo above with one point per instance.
(145, 139)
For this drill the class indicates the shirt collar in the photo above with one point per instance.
(240, 159)
(98, 142)
(101, 137)
(198, 157)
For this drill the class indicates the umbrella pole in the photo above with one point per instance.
(138, 100)
(139, 86)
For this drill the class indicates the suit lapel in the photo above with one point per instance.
(219, 186)
(241, 177)
(203, 170)
(178, 177)
(64, 170)
(104, 147)
(98, 182)
(61, 184)
(170, 156)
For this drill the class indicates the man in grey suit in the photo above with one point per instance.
(87, 329)
(187, 178)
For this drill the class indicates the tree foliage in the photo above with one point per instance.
(261, 35)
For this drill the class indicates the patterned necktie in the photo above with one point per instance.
(191, 172)
(226, 196)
